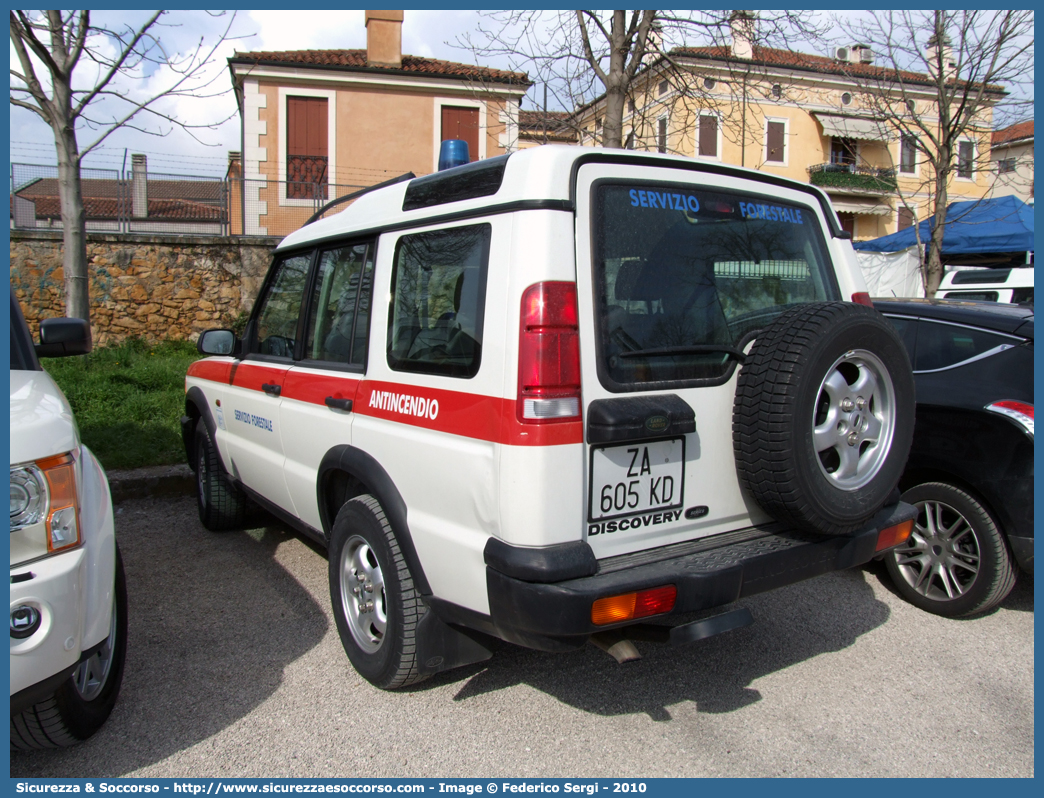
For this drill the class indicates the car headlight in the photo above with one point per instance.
(44, 493)
(28, 496)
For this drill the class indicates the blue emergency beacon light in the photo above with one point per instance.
(454, 152)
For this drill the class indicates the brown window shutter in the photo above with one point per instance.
(462, 123)
(905, 218)
(661, 134)
(709, 136)
(775, 141)
(306, 147)
(306, 126)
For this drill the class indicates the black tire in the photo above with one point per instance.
(952, 529)
(797, 464)
(83, 703)
(381, 641)
(222, 506)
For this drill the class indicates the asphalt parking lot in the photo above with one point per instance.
(235, 669)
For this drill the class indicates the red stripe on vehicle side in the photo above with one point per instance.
(486, 418)
(306, 386)
(215, 370)
(252, 375)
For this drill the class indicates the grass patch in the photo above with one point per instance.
(128, 400)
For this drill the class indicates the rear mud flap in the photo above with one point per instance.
(441, 646)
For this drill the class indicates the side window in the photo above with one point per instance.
(907, 329)
(339, 313)
(940, 346)
(281, 307)
(438, 297)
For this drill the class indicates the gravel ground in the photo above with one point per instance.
(235, 669)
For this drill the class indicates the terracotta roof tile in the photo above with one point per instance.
(1020, 130)
(355, 60)
(106, 202)
(771, 56)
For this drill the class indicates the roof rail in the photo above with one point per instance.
(355, 194)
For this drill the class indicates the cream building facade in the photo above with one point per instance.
(799, 116)
(1012, 159)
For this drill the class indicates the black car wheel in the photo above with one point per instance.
(85, 700)
(375, 604)
(957, 561)
(823, 416)
(222, 506)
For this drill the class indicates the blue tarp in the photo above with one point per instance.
(1003, 224)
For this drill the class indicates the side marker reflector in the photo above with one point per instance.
(894, 535)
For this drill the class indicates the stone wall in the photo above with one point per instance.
(150, 286)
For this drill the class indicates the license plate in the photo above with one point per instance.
(635, 478)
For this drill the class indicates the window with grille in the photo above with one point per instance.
(307, 156)
(775, 141)
(1005, 166)
(906, 218)
(965, 159)
(708, 133)
(908, 155)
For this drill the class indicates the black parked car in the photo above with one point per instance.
(970, 471)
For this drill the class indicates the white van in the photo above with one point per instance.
(548, 396)
(1013, 286)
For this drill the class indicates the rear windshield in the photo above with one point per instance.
(695, 273)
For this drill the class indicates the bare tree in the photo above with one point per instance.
(66, 73)
(608, 57)
(972, 60)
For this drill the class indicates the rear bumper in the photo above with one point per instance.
(556, 616)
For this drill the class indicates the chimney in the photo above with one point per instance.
(235, 164)
(139, 187)
(743, 25)
(384, 39)
(932, 55)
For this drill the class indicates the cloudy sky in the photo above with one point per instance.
(425, 33)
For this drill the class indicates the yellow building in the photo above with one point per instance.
(320, 124)
(800, 116)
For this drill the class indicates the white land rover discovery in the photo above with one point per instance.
(68, 596)
(552, 395)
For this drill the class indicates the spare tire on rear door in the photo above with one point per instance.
(823, 416)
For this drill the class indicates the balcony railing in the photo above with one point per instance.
(850, 176)
(302, 171)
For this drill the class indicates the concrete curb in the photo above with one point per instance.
(167, 480)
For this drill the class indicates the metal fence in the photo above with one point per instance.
(277, 207)
(133, 201)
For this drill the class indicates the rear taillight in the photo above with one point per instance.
(629, 606)
(549, 354)
(1019, 412)
(862, 298)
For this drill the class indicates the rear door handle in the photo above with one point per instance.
(339, 404)
(270, 389)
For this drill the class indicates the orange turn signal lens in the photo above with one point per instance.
(63, 522)
(894, 535)
(629, 606)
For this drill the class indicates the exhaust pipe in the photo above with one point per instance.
(617, 646)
